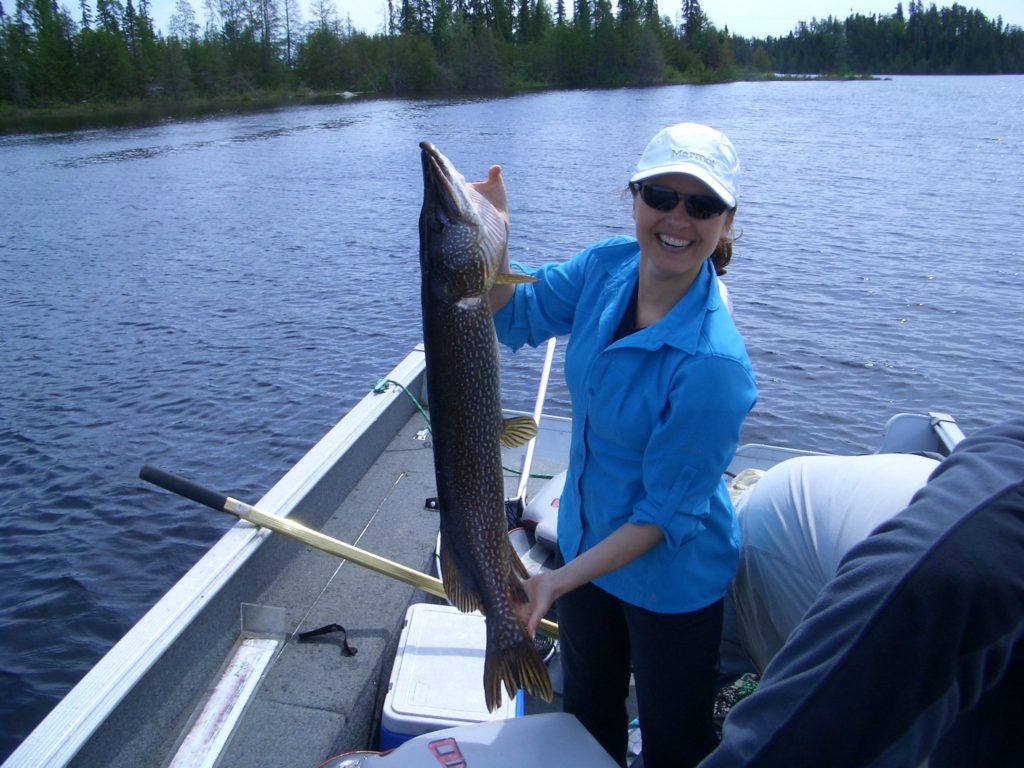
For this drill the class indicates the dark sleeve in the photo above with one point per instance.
(921, 623)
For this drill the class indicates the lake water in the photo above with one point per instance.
(211, 296)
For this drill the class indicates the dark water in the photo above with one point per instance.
(212, 296)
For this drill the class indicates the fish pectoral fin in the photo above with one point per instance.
(518, 430)
(462, 593)
(515, 278)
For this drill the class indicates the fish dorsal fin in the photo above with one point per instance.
(518, 431)
(515, 278)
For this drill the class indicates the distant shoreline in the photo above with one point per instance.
(64, 117)
(89, 114)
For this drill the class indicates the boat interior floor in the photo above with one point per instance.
(338, 698)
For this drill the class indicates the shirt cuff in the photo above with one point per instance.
(677, 527)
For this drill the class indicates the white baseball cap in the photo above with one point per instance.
(695, 150)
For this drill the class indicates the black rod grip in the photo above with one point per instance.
(182, 487)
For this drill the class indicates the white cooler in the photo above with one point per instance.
(437, 679)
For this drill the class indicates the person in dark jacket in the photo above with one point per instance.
(915, 649)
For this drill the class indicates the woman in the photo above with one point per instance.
(660, 384)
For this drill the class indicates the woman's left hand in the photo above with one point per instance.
(622, 546)
(493, 190)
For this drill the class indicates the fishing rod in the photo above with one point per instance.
(295, 530)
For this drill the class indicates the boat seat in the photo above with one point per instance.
(542, 510)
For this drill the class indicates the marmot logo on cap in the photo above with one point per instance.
(686, 153)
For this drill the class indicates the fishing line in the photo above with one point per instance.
(535, 475)
(383, 385)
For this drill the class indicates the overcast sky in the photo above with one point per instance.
(749, 18)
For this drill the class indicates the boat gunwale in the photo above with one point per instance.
(89, 707)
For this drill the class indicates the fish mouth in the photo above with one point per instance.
(443, 185)
(460, 229)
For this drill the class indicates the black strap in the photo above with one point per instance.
(346, 649)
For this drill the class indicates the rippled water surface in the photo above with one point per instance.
(212, 296)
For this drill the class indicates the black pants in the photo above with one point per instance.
(673, 658)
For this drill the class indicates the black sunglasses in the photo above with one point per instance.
(664, 199)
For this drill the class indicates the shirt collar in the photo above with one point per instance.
(681, 327)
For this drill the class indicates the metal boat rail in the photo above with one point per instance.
(141, 693)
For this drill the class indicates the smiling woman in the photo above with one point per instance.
(696, 166)
(660, 384)
(674, 243)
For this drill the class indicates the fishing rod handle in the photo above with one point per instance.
(182, 487)
(290, 528)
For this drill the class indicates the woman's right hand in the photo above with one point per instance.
(542, 593)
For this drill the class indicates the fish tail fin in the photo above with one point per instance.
(513, 665)
(461, 590)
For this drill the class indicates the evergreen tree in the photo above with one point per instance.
(524, 23)
(607, 65)
(694, 21)
(109, 13)
(424, 16)
(15, 54)
(408, 22)
(501, 25)
(582, 18)
(542, 20)
(51, 70)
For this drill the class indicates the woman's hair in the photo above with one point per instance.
(722, 255)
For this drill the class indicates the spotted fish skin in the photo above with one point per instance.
(463, 241)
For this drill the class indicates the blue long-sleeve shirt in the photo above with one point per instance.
(656, 420)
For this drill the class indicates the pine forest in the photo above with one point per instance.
(109, 52)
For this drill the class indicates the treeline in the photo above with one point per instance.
(110, 51)
(954, 40)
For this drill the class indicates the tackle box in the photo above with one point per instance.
(437, 678)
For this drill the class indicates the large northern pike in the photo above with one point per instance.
(463, 241)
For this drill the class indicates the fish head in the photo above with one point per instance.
(463, 238)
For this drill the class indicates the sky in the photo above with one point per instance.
(749, 18)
